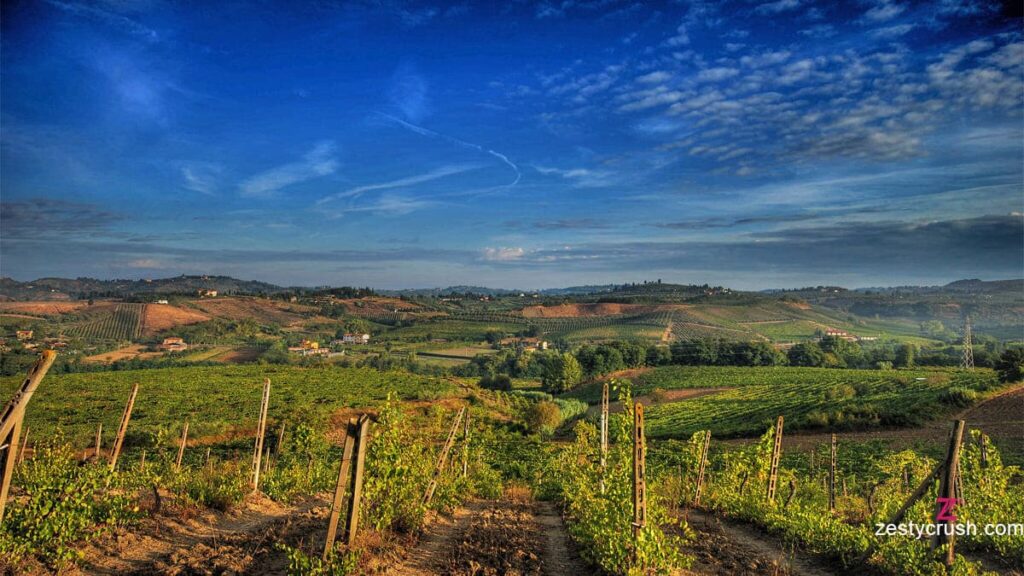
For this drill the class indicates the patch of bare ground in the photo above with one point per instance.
(42, 308)
(180, 541)
(725, 548)
(126, 353)
(160, 317)
(240, 355)
(512, 536)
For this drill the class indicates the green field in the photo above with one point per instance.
(215, 399)
(809, 398)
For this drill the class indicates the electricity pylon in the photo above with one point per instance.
(967, 360)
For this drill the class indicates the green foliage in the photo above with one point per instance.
(303, 564)
(64, 504)
(1010, 365)
(601, 521)
(218, 486)
(543, 417)
(841, 399)
(562, 372)
(959, 397)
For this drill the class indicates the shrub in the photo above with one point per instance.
(659, 395)
(497, 382)
(959, 397)
(543, 417)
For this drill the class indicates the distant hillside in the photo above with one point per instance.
(82, 288)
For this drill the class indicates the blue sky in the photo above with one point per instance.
(392, 144)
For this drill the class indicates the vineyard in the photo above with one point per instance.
(746, 400)
(124, 323)
(357, 471)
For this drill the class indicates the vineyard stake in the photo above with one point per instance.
(339, 490)
(442, 458)
(99, 439)
(206, 461)
(832, 478)
(701, 467)
(947, 489)
(181, 447)
(465, 447)
(125, 418)
(639, 474)
(261, 429)
(604, 432)
(792, 491)
(11, 419)
(983, 448)
(142, 460)
(362, 436)
(24, 446)
(898, 516)
(773, 472)
(280, 440)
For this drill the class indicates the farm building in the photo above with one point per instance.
(174, 344)
(207, 293)
(161, 302)
(309, 348)
(355, 339)
(23, 334)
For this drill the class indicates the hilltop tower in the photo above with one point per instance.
(967, 360)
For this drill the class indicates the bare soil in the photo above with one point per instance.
(160, 317)
(126, 353)
(42, 308)
(178, 542)
(725, 548)
(491, 538)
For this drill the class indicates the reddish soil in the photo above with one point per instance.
(586, 310)
(126, 353)
(160, 317)
(258, 309)
(42, 308)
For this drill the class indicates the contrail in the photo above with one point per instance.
(430, 133)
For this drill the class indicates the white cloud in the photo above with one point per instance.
(317, 162)
(884, 11)
(717, 74)
(503, 254)
(777, 7)
(201, 177)
(682, 37)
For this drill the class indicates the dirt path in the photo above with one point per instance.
(725, 548)
(240, 542)
(492, 538)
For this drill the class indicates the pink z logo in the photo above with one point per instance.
(946, 512)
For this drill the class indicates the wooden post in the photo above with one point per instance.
(339, 490)
(11, 421)
(99, 439)
(701, 467)
(639, 471)
(142, 460)
(442, 458)
(465, 447)
(895, 519)
(947, 489)
(261, 429)
(280, 440)
(792, 491)
(362, 439)
(983, 449)
(844, 487)
(24, 446)
(773, 471)
(181, 447)
(206, 460)
(832, 478)
(604, 432)
(125, 417)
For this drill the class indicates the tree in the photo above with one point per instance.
(905, 356)
(1010, 366)
(562, 372)
(806, 354)
(543, 417)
